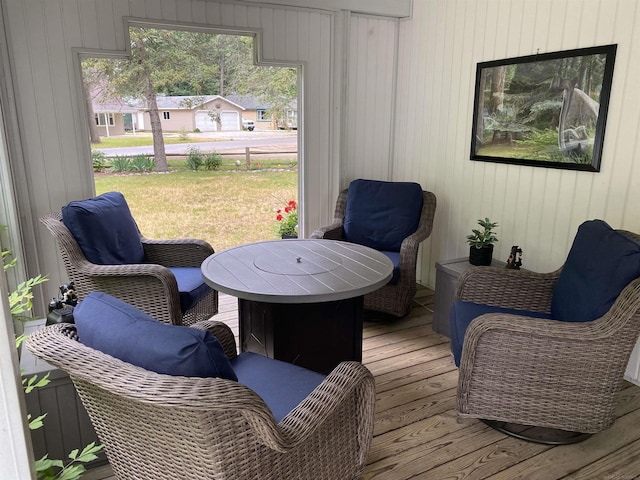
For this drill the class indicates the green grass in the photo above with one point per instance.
(143, 139)
(225, 208)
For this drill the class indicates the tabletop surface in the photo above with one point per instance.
(297, 271)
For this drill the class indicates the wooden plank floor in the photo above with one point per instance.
(419, 436)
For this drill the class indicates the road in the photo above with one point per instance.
(239, 141)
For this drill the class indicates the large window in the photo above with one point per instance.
(261, 115)
(102, 118)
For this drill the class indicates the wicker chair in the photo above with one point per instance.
(518, 370)
(157, 426)
(392, 299)
(150, 286)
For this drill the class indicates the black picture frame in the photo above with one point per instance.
(530, 110)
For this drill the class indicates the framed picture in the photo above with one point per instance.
(546, 110)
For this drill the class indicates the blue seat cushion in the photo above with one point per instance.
(104, 229)
(281, 385)
(191, 287)
(118, 329)
(395, 259)
(462, 314)
(381, 215)
(600, 264)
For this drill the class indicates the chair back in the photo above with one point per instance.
(157, 426)
(380, 214)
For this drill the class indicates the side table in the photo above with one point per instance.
(67, 425)
(447, 274)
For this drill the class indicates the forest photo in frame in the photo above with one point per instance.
(546, 110)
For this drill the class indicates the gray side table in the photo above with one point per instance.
(447, 274)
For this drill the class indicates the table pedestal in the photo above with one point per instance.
(317, 336)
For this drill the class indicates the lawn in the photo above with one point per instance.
(222, 207)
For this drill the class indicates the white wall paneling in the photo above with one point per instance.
(537, 208)
(45, 37)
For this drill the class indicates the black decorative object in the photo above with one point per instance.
(544, 110)
(514, 261)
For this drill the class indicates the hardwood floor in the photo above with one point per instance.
(419, 436)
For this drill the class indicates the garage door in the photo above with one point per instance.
(230, 121)
(204, 122)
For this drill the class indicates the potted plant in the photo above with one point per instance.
(481, 243)
(288, 220)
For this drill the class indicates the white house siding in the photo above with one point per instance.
(369, 98)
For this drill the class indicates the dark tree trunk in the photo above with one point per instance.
(159, 153)
(496, 103)
(94, 137)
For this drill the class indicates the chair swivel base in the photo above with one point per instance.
(546, 436)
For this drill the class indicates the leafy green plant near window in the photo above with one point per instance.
(142, 163)
(212, 161)
(120, 163)
(195, 159)
(20, 304)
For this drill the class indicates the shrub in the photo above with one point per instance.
(142, 163)
(183, 135)
(195, 159)
(212, 161)
(121, 164)
(196, 130)
(99, 160)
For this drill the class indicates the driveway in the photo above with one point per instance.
(220, 141)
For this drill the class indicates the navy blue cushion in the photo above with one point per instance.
(600, 264)
(395, 259)
(381, 215)
(191, 287)
(461, 315)
(281, 385)
(118, 329)
(104, 229)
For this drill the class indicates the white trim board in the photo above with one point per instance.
(386, 8)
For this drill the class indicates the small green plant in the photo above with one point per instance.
(99, 160)
(196, 130)
(195, 159)
(212, 161)
(484, 237)
(121, 164)
(287, 218)
(20, 304)
(142, 163)
(183, 135)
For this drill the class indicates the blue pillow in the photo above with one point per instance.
(600, 264)
(381, 215)
(104, 229)
(118, 329)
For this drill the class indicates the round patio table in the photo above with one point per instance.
(300, 301)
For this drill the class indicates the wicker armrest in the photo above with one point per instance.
(335, 231)
(176, 253)
(223, 333)
(347, 379)
(519, 289)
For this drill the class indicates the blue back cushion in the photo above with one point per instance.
(104, 229)
(600, 264)
(118, 329)
(381, 215)
(281, 385)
